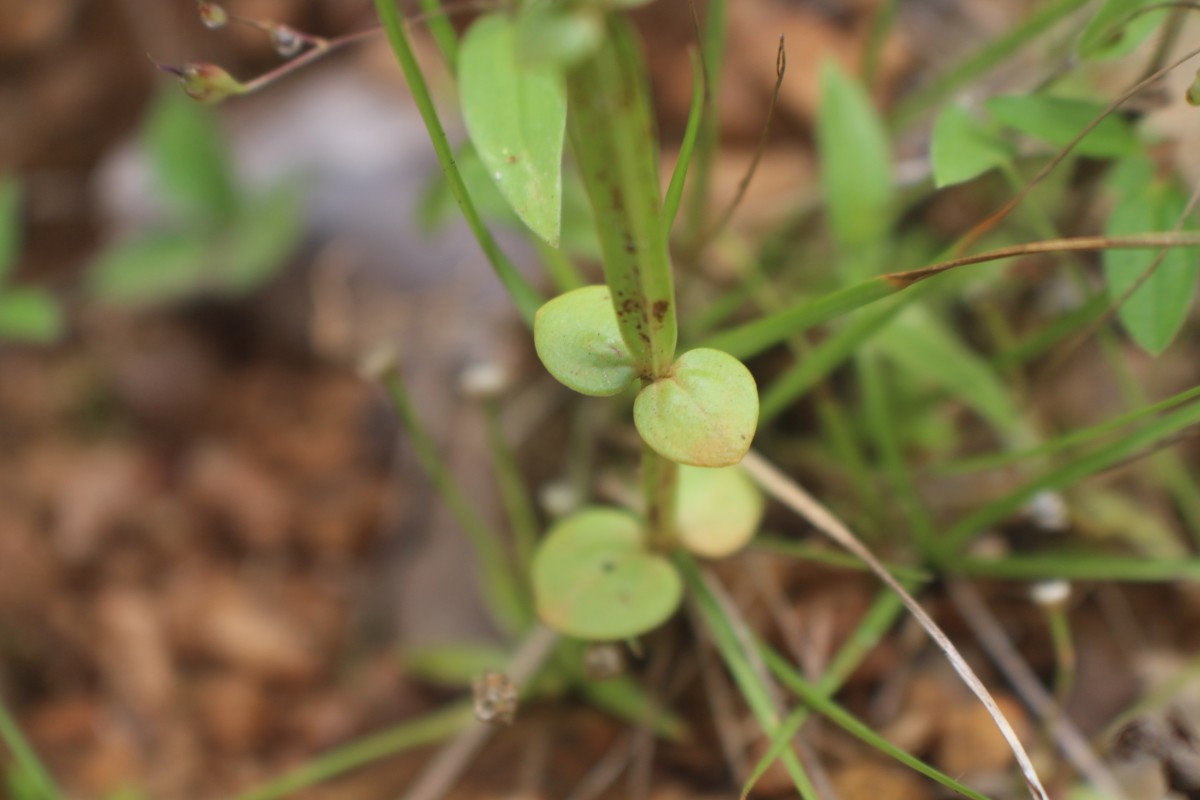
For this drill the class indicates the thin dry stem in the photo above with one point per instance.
(1000, 649)
(744, 184)
(986, 225)
(788, 492)
(1140, 241)
(450, 762)
(1072, 346)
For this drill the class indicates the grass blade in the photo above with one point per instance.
(1102, 458)
(811, 696)
(779, 486)
(983, 61)
(734, 650)
(687, 148)
(523, 294)
(25, 757)
(507, 598)
(424, 730)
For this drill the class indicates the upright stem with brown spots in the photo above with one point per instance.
(612, 132)
(614, 139)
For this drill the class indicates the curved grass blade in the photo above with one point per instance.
(674, 194)
(734, 653)
(524, 295)
(811, 696)
(1084, 466)
(26, 759)
(794, 497)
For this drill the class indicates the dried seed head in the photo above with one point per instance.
(495, 698)
(206, 83)
(212, 15)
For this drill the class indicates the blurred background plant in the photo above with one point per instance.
(214, 538)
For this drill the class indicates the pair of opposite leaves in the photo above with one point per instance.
(703, 412)
(593, 575)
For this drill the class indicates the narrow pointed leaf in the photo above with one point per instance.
(516, 117)
(1058, 120)
(856, 161)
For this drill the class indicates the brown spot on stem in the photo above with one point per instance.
(660, 310)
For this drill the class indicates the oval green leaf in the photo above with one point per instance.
(1058, 120)
(964, 148)
(516, 116)
(719, 510)
(1156, 310)
(702, 413)
(856, 161)
(580, 344)
(593, 577)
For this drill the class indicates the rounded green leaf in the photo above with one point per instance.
(593, 577)
(516, 115)
(964, 147)
(578, 341)
(719, 510)
(703, 413)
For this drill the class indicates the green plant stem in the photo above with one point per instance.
(660, 480)
(518, 504)
(1167, 466)
(874, 624)
(25, 757)
(736, 654)
(613, 136)
(506, 598)
(1081, 566)
(817, 699)
(425, 730)
(1105, 457)
(1059, 624)
(882, 426)
(522, 292)
(442, 31)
